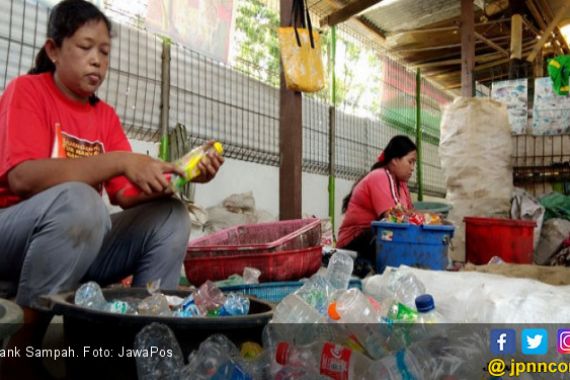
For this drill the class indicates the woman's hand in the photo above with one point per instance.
(148, 173)
(209, 165)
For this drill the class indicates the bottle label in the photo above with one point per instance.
(335, 361)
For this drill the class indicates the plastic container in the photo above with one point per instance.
(423, 246)
(509, 239)
(112, 334)
(275, 291)
(274, 266)
(248, 239)
(440, 208)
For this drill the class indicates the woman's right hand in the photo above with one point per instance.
(148, 173)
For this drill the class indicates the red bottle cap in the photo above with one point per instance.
(282, 353)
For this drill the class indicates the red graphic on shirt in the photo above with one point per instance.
(68, 146)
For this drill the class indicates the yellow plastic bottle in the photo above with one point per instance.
(189, 163)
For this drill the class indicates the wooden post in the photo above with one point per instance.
(164, 150)
(290, 140)
(516, 37)
(539, 65)
(467, 48)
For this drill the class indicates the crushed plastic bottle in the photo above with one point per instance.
(298, 373)
(163, 359)
(456, 356)
(155, 305)
(89, 295)
(235, 304)
(217, 358)
(209, 297)
(251, 275)
(333, 360)
(317, 292)
(120, 307)
(339, 270)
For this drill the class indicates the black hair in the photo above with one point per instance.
(398, 147)
(64, 20)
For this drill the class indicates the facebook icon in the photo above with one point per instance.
(503, 341)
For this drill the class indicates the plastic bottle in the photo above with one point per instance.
(167, 362)
(209, 297)
(426, 310)
(317, 292)
(354, 310)
(339, 270)
(89, 295)
(332, 360)
(188, 163)
(456, 356)
(394, 285)
(293, 309)
(217, 358)
(235, 304)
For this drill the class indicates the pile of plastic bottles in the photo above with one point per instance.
(326, 331)
(206, 301)
(401, 215)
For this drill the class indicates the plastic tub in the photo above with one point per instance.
(106, 335)
(422, 246)
(259, 238)
(510, 239)
(274, 266)
(275, 291)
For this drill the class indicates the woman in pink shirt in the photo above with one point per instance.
(385, 186)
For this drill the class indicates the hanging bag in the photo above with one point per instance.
(300, 49)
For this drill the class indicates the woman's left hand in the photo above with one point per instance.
(209, 166)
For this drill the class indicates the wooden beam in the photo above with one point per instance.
(347, 12)
(516, 37)
(549, 28)
(467, 47)
(548, 11)
(540, 19)
(290, 140)
(443, 28)
(491, 44)
(530, 26)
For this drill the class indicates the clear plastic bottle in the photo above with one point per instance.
(458, 355)
(188, 163)
(89, 295)
(217, 358)
(363, 320)
(167, 362)
(332, 360)
(339, 270)
(235, 304)
(426, 310)
(317, 292)
(209, 297)
(293, 309)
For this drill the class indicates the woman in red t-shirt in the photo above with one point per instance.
(385, 186)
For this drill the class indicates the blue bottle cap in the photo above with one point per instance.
(424, 303)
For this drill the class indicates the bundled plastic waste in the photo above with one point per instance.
(399, 214)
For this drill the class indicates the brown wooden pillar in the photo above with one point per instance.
(290, 140)
(467, 48)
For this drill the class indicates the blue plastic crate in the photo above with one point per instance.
(422, 246)
(275, 291)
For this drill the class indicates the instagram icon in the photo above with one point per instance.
(563, 341)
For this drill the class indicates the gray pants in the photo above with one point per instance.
(64, 236)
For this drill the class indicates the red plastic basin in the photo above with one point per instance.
(510, 239)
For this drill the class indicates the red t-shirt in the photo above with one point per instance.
(372, 196)
(37, 121)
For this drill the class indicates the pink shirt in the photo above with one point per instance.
(372, 196)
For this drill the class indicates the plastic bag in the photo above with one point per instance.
(300, 48)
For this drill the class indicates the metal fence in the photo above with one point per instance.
(214, 100)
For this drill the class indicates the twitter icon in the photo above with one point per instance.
(534, 341)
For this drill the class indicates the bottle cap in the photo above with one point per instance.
(425, 303)
(218, 147)
(282, 353)
(333, 312)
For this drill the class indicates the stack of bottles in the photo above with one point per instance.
(206, 301)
